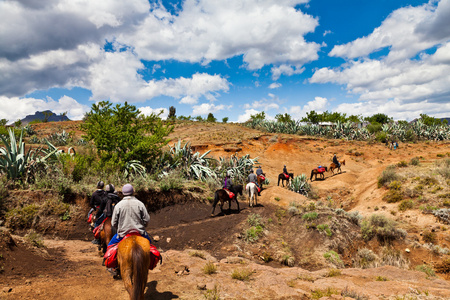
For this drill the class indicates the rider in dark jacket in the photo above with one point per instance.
(285, 170)
(335, 161)
(112, 200)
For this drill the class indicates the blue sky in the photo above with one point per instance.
(231, 58)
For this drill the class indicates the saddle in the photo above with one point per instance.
(98, 229)
(110, 257)
(320, 169)
(230, 193)
(286, 176)
(262, 177)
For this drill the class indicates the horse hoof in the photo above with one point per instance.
(212, 215)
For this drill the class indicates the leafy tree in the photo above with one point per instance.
(184, 118)
(211, 118)
(402, 122)
(286, 118)
(353, 118)
(122, 134)
(47, 115)
(199, 118)
(172, 112)
(18, 123)
(225, 120)
(427, 120)
(3, 122)
(379, 118)
(259, 116)
(312, 117)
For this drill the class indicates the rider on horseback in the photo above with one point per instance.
(335, 161)
(113, 199)
(97, 198)
(129, 214)
(252, 178)
(285, 172)
(227, 183)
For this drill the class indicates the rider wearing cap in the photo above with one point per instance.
(252, 178)
(130, 214)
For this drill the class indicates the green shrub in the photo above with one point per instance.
(213, 294)
(393, 196)
(325, 228)
(426, 269)
(210, 268)
(197, 254)
(334, 258)
(393, 257)
(333, 272)
(395, 185)
(255, 220)
(310, 216)
(381, 136)
(169, 183)
(253, 234)
(414, 161)
(242, 274)
(429, 237)
(387, 176)
(318, 293)
(381, 278)
(35, 239)
(21, 217)
(365, 258)
(405, 205)
(383, 228)
(402, 164)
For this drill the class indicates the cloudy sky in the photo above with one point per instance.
(233, 58)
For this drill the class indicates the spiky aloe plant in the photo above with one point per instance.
(300, 185)
(134, 168)
(13, 158)
(237, 167)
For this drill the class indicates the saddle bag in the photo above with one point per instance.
(155, 257)
(111, 256)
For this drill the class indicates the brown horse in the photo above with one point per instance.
(260, 181)
(333, 166)
(222, 196)
(316, 171)
(133, 257)
(106, 235)
(283, 178)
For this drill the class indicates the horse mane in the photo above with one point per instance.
(139, 269)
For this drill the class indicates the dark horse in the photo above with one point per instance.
(222, 196)
(133, 257)
(316, 171)
(282, 177)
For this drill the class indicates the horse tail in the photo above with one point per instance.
(139, 270)
(312, 173)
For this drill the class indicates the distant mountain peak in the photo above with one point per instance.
(44, 115)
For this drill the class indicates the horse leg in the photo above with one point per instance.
(237, 202)
(216, 200)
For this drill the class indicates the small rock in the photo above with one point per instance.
(201, 286)
(156, 238)
(234, 260)
(28, 281)
(168, 240)
(7, 290)
(407, 250)
(210, 285)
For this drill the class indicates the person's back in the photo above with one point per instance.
(130, 214)
(335, 160)
(259, 171)
(252, 178)
(228, 183)
(285, 170)
(111, 201)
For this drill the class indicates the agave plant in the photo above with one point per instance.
(194, 165)
(34, 140)
(134, 168)
(29, 130)
(13, 158)
(237, 168)
(59, 139)
(300, 185)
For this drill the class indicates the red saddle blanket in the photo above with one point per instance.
(320, 170)
(262, 177)
(111, 254)
(259, 189)
(286, 175)
(230, 193)
(98, 229)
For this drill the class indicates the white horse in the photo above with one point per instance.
(252, 194)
